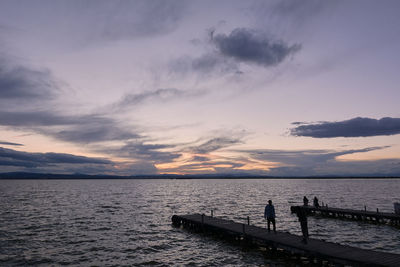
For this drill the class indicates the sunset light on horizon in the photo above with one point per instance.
(269, 88)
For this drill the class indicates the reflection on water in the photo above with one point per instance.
(127, 222)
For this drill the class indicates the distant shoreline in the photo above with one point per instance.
(50, 176)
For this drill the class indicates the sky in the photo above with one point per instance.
(143, 87)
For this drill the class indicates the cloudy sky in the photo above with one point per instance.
(200, 87)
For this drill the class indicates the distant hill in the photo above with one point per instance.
(31, 175)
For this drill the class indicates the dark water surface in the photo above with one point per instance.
(128, 222)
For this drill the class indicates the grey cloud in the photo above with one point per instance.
(92, 132)
(244, 45)
(86, 22)
(23, 90)
(289, 16)
(74, 128)
(357, 127)
(215, 144)
(37, 118)
(10, 157)
(304, 157)
(213, 62)
(23, 85)
(299, 10)
(364, 168)
(150, 17)
(139, 150)
(9, 143)
(324, 163)
(161, 95)
(12, 160)
(200, 158)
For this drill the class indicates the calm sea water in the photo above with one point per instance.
(128, 222)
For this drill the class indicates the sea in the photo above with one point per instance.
(127, 222)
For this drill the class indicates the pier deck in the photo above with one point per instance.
(359, 215)
(315, 249)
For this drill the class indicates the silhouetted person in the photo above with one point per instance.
(302, 215)
(269, 214)
(305, 201)
(316, 204)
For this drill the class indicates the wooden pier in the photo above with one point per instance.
(317, 251)
(358, 215)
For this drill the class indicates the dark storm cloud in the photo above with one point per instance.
(215, 144)
(10, 157)
(9, 143)
(357, 127)
(245, 45)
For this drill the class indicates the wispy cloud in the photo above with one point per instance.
(9, 143)
(10, 157)
(138, 150)
(161, 95)
(322, 162)
(215, 144)
(93, 22)
(23, 87)
(72, 128)
(357, 127)
(304, 157)
(13, 160)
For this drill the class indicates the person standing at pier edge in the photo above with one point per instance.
(316, 204)
(302, 215)
(305, 201)
(269, 214)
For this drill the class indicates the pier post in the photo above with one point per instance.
(212, 213)
(377, 210)
(248, 220)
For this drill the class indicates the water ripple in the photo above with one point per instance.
(127, 222)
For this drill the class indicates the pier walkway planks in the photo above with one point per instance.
(359, 215)
(287, 242)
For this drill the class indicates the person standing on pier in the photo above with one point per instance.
(302, 215)
(305, 201)
(316, 204)
(269, 214)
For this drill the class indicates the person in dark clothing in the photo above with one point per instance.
(302, 215)
(269, 214)
(316, 204)
(305, 201)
